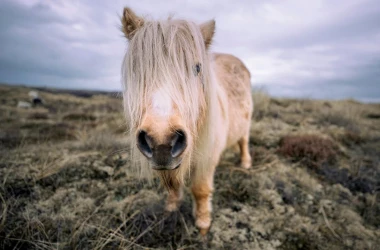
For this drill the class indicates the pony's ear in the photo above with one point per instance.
(208, 30)
(131, 23)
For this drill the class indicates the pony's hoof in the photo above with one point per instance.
(171, 207)
(246, 165)
(204, 231)
(203, 225)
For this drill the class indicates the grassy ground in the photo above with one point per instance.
(65, 180)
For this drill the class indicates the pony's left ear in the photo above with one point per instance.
(208, 30)
(131, 23)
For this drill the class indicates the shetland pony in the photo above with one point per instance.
(183, 105)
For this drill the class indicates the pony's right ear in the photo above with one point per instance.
(131, 23)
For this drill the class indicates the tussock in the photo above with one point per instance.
(311, 148)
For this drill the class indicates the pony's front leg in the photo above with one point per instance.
(246, 160)
(202, 188)
(174, 199)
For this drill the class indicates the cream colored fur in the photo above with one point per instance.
(213, 107)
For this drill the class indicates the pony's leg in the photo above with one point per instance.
(174, 198)
(202, 187)
(246, 160)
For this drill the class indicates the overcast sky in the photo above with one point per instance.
(294, 48)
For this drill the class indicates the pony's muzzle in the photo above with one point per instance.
(162, 156)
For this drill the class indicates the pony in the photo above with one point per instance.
(183, 105)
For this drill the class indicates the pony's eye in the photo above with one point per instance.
(197, 69)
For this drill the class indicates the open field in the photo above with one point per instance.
(66, 180)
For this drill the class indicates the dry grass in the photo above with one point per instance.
(261, 101)
(351, 138)
(38, 115)
(345, 114)
(66, 180)
(79, 116)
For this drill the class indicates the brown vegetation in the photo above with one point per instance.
(311, 148)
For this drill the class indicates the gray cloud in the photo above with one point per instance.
(50, 45)
(295, 48)
(363, 87)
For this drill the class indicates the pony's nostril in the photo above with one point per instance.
(144, 143)
(178, 143)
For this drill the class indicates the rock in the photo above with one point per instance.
(22, 104)
(33, 94)
(309, 199)
(107, 169)
(102, 170)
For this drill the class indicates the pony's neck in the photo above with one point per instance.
(216, 115)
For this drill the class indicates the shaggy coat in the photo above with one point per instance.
(184, 106)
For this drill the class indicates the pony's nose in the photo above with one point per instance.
(145, 144)
(178, 143)
(162, 153)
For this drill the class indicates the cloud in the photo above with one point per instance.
(297, 48)
(59, 45)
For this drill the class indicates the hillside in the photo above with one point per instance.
(66, 180)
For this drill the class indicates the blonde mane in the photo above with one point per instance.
(163, 54)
